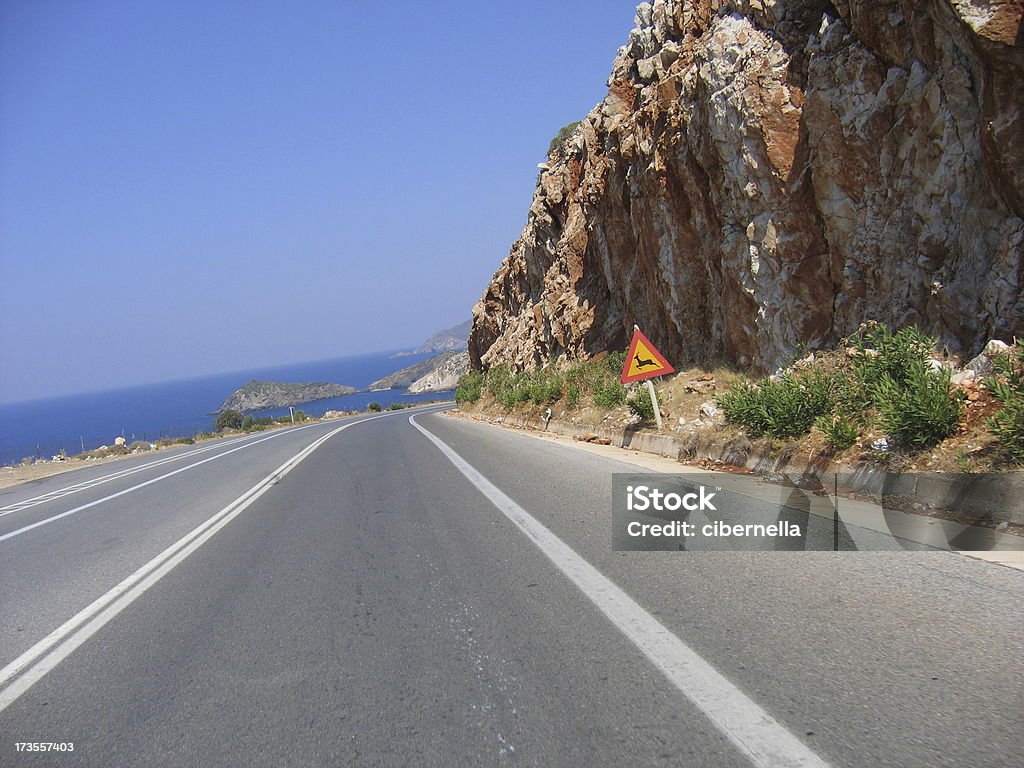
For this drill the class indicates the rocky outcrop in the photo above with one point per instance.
(765, 175)
(408, 375)
(261, 395)
(445, 375)
(449, 339)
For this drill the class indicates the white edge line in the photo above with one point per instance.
(762, 739)
(61, 642)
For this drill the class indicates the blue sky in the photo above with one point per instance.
(194, 187)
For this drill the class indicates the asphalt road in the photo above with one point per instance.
(388, 599)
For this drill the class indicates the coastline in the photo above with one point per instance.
(11, 475)
(40, 429)
(16, 474)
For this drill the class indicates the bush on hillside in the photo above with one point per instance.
(563, 133)
(374, 407)
(840, 432)
(1007, 423)
(640, 404)
(883, 355)
(782, 408)
(545, 385)
(229, 419)
(470, 387)
(921, 410)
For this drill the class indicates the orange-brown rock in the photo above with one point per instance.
(767, 174)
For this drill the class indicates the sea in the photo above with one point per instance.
(40, 429)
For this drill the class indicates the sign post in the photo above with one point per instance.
(654, 401)
(643, 363)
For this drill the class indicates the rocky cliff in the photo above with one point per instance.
(765, 175)
(445, 376)
(448, 339)
(261, 395)
(408, 375)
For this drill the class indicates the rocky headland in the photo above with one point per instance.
(445, 375)
(261, 395)
(454, 338)
(406, 376)
(765, 175)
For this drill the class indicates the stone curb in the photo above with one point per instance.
(985, 498)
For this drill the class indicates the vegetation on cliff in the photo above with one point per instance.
(595, 380)
(879, 378)
(881, 396)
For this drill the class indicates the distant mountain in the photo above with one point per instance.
(456, 337)
(445, 375)
(260, 395)
(406, 376)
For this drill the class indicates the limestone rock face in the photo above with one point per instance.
(445, 376)
(765, 175)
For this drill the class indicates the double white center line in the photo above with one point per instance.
(85, 485)
(52, 518)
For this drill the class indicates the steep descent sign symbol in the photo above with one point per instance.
(643, 361)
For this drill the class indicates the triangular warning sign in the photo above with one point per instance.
(643, 361)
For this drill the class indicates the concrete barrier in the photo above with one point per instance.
(987, 498)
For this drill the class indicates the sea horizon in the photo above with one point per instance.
(40, 428)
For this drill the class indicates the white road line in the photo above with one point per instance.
(53, 518)
(29, 668)
(762, 739)
(60, 493)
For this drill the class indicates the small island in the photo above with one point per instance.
(262, 395)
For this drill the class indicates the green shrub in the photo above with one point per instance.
(563, 133)
(185, 441)
(839, 431)
(921, 410)
(613, 363)
(1007, 423)
(852, 394)
(546, 385)
(609, 394)
(640, 404)
(884, 354)
(247, 423)
(229, 419)
(784, 409)
(542, 386)
(572, 395)
(374, 407)
(470, 387)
